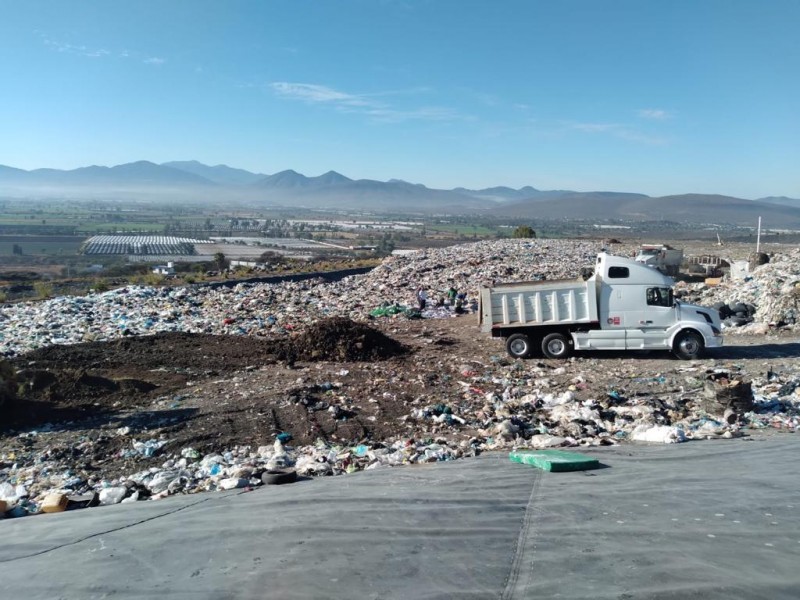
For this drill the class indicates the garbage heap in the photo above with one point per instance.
(772, 289)
(504, 405)
(278, 309)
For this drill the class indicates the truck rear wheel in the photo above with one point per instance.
(556, 345)
(519, 345)
(688, 345)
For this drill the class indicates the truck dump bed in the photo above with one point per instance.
(533, 303)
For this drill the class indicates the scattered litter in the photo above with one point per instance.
(458, 407)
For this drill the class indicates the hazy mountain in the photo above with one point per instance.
(221, 174)
(141, 173)
(288, 179)
(4, 170)
(330, 178)
(780, 200)
(502, 193)
(333, 190)
(192, 181)
(696, 208)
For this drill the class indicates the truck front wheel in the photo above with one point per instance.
(688, 345)
(518, 345)
(556, 345)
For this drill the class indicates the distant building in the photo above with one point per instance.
(168, 269)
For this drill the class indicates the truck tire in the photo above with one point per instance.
(688, 345)
(556, 345)
(518, 345)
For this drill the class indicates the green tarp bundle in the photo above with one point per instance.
(554, 460)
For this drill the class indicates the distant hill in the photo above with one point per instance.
(192, 181)
(221, 174)
(502, 193)
(694, 208)
(780, 200)
(141, 173)
(333, 190)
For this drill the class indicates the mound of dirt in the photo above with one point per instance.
(340, 340)
(8, 384)
(163, 350)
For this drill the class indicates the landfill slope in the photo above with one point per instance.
(703, 520)
(153, 392)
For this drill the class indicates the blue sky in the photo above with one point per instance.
(660, 97)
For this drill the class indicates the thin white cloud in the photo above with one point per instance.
(81, 50)
(617, 130)
(653, 113)
(75, 49)
(425, 113)
(595, 127)
(317, 94)
(365, 104)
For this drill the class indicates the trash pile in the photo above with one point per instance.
(339, 339)
(278, 309)
(55, 487)
(768, 297)
(502, 405)
(735, 314)
(439, 395)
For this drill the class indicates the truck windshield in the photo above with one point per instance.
(659, 296)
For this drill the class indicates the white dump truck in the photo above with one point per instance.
(624, 305)
(663, 257)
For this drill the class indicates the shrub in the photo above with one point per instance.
(43, 289)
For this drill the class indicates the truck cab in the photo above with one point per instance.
(637, 310)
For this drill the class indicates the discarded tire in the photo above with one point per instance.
(279, 476)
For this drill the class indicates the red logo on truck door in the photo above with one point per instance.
(613, 320)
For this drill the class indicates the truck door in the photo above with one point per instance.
(613, 312)
(648, 324)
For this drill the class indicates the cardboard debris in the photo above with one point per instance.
(55, 502)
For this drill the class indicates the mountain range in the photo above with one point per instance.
(192, 180)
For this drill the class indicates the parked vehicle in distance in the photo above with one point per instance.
(624, 305)
(663, 257)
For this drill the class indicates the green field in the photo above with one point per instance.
(35, 245)
(461, 229)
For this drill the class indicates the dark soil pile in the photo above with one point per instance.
(340, 340)
(8, 385)
(163, 350)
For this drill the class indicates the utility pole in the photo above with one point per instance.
(758, 236)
